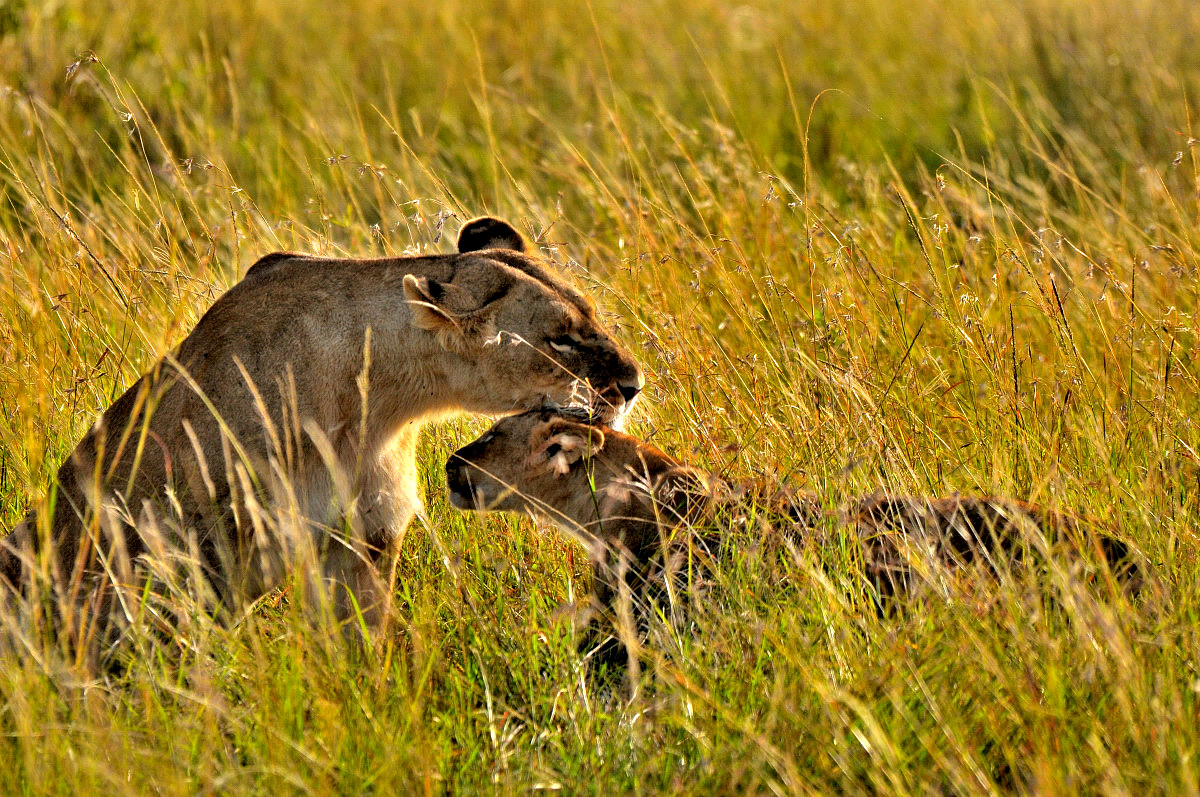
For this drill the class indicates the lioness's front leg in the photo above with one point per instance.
(360, 570)
(359, 582)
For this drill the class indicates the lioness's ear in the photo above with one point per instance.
(462, 304)
(564, 444)
(489, 233)
(427, 298)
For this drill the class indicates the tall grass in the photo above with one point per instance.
(857, 246)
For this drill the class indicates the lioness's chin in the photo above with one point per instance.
(598, 411)
(613, 416)
(617, 421)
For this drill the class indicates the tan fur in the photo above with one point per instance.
(621, 498)
(548, 464)
(613, 492)
(627, 501)
(284, 427)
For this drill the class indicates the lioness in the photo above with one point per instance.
(628, 502)
(284, 427)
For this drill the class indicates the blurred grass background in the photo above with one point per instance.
(920, 247)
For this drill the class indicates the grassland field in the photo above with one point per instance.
(890, 245)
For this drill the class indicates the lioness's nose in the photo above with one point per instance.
(629, 390)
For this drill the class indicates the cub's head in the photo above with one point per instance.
(516, 335)
(528, 462)
(560, 465)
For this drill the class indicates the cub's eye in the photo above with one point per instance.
(565, 344)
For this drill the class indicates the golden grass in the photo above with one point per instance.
(857, 246)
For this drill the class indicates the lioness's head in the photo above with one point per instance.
(531, 338)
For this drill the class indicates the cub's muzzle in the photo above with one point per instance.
(458, 482)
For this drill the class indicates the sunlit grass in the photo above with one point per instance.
(857, 247)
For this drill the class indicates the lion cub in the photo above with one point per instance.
(628, 503)
(284, 427)
(618, 496)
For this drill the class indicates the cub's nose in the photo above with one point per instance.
(458, 484)
(456, 477)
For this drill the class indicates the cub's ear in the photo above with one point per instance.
(486, 232)
(564, 443)
(427, 298)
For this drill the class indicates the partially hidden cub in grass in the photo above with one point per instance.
(635, 507)
(284, 427)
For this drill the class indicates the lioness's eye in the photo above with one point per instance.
(487, 438)
(565, 344)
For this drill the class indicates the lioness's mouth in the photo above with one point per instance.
(610, 412)
(597, 408)
(608, 406)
